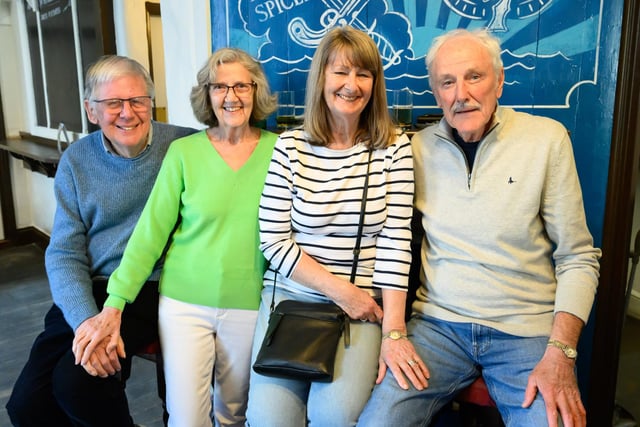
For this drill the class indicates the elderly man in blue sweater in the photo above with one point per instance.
(101, 186)
(509, 267)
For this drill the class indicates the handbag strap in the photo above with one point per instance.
(363, 205)
(356, 249)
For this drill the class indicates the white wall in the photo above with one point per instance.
(131, 29)
(11, 70)
(187, 39)
(186, 31)
(187, 44)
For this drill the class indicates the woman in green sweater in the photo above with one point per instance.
(203, 210)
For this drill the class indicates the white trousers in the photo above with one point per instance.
(198, 342)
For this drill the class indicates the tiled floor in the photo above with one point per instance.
(25, 298)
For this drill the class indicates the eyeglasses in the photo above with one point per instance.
(115, 105)
(238, 88)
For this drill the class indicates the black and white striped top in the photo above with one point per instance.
(311, 202)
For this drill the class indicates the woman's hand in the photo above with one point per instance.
(401, 358)
(358, 304)
(97, 343)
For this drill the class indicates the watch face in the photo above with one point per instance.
(394, 335)
(571, 353)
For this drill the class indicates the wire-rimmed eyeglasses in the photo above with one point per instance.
(115, 105)
(238, 88)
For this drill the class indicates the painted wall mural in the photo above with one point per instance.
(560, 57)
(550, 46)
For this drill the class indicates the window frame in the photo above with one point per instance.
(106, 45)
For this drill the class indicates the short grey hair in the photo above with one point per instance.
(482, 35)
(111, 67)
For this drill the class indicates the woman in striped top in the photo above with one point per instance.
(309, 214)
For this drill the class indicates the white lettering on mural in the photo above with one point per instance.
(268, 9)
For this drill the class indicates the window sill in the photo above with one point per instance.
(38, 154)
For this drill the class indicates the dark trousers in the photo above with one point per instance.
(53, 391)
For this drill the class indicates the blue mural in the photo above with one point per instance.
(560, 56)
(550, 46)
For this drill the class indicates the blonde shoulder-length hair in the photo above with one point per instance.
(376, 128)
(264, 102)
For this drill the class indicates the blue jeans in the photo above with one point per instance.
(292, 403)
(456, 354)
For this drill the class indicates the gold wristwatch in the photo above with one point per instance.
(568, 351)
(394, 334)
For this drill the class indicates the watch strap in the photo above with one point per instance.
(394, 334)
(568, 351)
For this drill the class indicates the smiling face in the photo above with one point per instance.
(466, 86)
(127, 130)
(233, 110)
(347, 88)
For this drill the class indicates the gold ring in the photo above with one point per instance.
(412, 363)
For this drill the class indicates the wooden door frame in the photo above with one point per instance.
(6, 193)
(618, 221)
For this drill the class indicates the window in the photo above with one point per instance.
(64, 37)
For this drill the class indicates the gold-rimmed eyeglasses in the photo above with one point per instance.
(115, 105)
(238, 88)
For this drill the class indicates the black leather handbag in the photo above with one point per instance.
(302, 337)
(301, 341)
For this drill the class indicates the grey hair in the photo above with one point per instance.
(264, 102)
(482, 35)
(112, 67)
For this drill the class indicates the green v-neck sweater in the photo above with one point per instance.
(212, 257)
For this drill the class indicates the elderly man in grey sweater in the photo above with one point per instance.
(509, 269)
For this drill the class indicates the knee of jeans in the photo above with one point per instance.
(272, 414)
(332, 414)
(516, 415)
(334, 418)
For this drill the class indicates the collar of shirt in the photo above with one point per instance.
(108, 146)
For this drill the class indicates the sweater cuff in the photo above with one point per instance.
(115, 302)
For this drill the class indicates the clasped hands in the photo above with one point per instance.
(97, 345)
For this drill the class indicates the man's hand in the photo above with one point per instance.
(97, 343)
(555, 379)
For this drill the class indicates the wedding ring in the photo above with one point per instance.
(363, 320)
(412, 363)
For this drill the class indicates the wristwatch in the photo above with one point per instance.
(568, 351)
(394, 334)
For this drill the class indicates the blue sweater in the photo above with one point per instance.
(99, 198)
